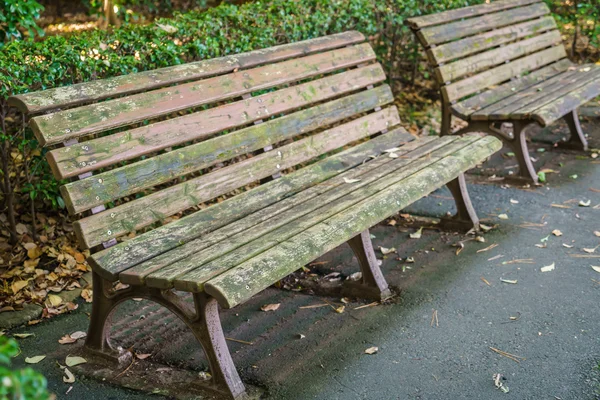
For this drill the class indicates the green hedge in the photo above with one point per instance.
(55, 61)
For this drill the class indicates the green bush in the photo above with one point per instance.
(24, 384)
(16, 15)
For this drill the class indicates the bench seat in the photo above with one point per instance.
(237, 260)
(546, 101)
(502, 67)
(220, 177)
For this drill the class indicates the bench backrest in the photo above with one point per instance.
(188, 134)
(474, 48)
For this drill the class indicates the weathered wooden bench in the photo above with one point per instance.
(342, 164)
(504, 62)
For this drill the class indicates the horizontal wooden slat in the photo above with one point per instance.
(527, 101)
(460, 29)
(531, 93)
(467, 107)
(482, 61)
(133, 83)
(107, 186)
(162, 270)
(475, 44)
(465, 12)
(502, 73)
(557, 109)
(159, 205)
(108, 150)
(240, 283)
(111, 261)
(63, 125)
(190, 273)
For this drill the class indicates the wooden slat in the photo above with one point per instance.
(125, 255)
(60, 126)
(482, 61)
(190, 273)
(105, 187)
(465, 12)
(240, 283)
(108, 150)
(532, 91)
(460, 29)
(557, 109)
(159, 205)
(162, 270)
(502, 73)
(475, 44)
(133, 83)
(467, 107)
(524, 103)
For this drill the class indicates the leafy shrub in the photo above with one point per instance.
(19, 384)
(16, 15)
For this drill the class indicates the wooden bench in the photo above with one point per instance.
(504, 62)
(342, 164)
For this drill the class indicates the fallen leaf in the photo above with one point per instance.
(585, 203)
(508, 281)
(270, 307)
(351, 180)
(485, 281)
(67, 339)
(568, 246)
(78, 335)
(547, 268)
(142, 356)
(485, 228)
(167, 28)
(503, 216)
(392, 150)
(55, 300)
(491, 246)
(87, 295)
(72, 361)
(23, 335)
(385, 250)
(18, 285)
(514, 201)
(69, 377)
(591, 250)
(34, 360)
(557, 232)
(597, 269)
(393, 155)
(597, 233)
(417, 234)
(34, 252)
(340, 309)
(372, 350)
(392, 222)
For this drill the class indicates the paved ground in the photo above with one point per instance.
(558, 330)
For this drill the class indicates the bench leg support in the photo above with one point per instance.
(577, 139)
(203, 320)
(519, 146)
(465, 218)
(372, 284)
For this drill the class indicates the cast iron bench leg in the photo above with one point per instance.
(577, 139)
(204, 322)
(519, 146)
(465, 218)
(372, 284)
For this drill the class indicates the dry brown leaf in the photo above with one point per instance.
(372, 350)
(54, 300)
(67, 339)
(142, 356)
(87, 295)
(557, 232)
(16, 286)
(270, 307)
